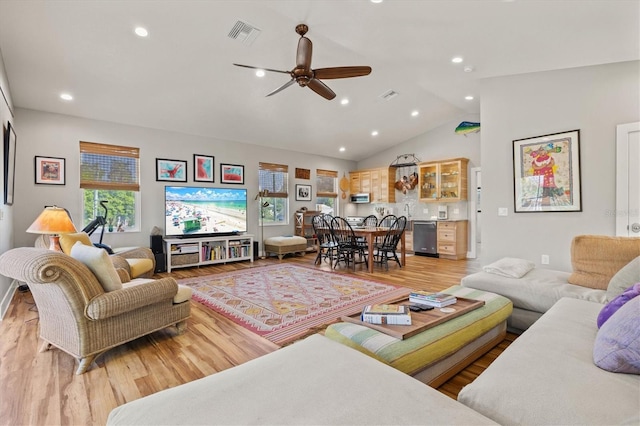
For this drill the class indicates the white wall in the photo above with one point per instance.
(46, 134)
(6, 212)
(440, 143)
(593, 99)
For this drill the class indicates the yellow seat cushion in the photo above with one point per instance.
(139, 266)
(68, 240)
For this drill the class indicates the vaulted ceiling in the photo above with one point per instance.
(181, 78)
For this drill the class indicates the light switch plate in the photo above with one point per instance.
(503, 211)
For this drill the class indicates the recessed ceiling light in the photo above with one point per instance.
(457, 59)
(343, 149)
(415, 113)
(345, 101)
(376, 1)
(469, 68)
(260, 73)
(142, 32)
(66, 97)
(469, 98)
(374, 133)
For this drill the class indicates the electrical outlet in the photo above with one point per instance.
(544, 259)
(425, 211)
(456, 211)
(503, 211)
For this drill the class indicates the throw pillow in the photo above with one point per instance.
(624, 278)
(98, 261)
(510, 267)
(617, 344)
(611, 307)
(67, 241)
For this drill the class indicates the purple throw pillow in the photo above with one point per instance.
(615, 304)
(617, 344)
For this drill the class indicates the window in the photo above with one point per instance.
(275, 207)
(327, 191)
(110, 173)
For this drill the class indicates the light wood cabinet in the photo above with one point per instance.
(443, 181)
(452, 239)
(182, 253)
(375, 182)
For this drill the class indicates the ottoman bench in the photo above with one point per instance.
(285, 245)
(438, 353)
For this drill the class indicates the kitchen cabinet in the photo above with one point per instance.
(375, 182)
(452, 239)
(443, 181)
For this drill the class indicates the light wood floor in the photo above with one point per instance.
(42, 389)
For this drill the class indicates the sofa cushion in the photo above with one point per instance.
(596, 258)
(67, 241)
(98, 261)
(611, 307)
(510, 267)
(537, 291)
(617, 346)
(547, 376)
(624, 278)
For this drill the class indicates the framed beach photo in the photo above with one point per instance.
(203, 168)
(50, 170)
(303, 192)
(232, 173)
(546, 173)
(9, 163)
(171, 170)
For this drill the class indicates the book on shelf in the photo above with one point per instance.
(386, 314)
(437, 300)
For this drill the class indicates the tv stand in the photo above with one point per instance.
(182, 253)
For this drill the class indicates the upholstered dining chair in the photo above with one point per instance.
(84, 308)
(327, 247)
(387, 246)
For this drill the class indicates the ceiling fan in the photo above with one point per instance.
(307, 77)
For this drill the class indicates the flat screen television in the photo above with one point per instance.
(198, 211)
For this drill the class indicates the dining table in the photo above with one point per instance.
(370, 234)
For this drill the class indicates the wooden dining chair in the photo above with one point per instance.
(348, 246)
(327, 247)
(386, 248)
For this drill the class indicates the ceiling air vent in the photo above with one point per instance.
(388, 95)
(246, 33)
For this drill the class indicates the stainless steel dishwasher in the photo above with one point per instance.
(425, 237)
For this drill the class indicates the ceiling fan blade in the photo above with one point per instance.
(259, 68)
(303, 58)
(321, 89)
(341, 72)
(284, 86)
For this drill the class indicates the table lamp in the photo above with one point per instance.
(53, 221)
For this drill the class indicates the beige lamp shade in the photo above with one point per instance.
(53, 221)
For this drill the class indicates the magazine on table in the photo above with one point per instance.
(386, 314)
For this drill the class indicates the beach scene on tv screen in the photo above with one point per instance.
(196, 210)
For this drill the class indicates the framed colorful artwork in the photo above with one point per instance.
(50, 170)
(546, 173)
(303, 192)
(171, 170)
(203, 168)
(232, 173)
(9, 163)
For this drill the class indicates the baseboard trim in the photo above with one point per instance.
(6, 300)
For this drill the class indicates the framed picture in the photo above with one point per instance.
(546, 173)
(9, 163)
(202, 168)
(50, 170)
(303, 192)
(171, 170)
(232, 173)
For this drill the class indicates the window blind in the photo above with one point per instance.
(326, 183)
(109, 167)
(275, 179)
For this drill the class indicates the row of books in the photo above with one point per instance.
(437, 300)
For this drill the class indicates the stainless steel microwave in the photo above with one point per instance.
(361, 198)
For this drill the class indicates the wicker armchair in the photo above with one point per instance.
(127, 258)
(79, 317)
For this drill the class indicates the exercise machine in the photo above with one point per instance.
(99, 221)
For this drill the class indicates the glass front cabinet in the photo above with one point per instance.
(444, 181)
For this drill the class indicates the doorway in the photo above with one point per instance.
(475, 216)
(628, 180)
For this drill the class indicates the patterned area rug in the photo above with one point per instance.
(283, 302)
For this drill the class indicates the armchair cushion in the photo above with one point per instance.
(130, 297)
(98, 261)
(67, 241)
